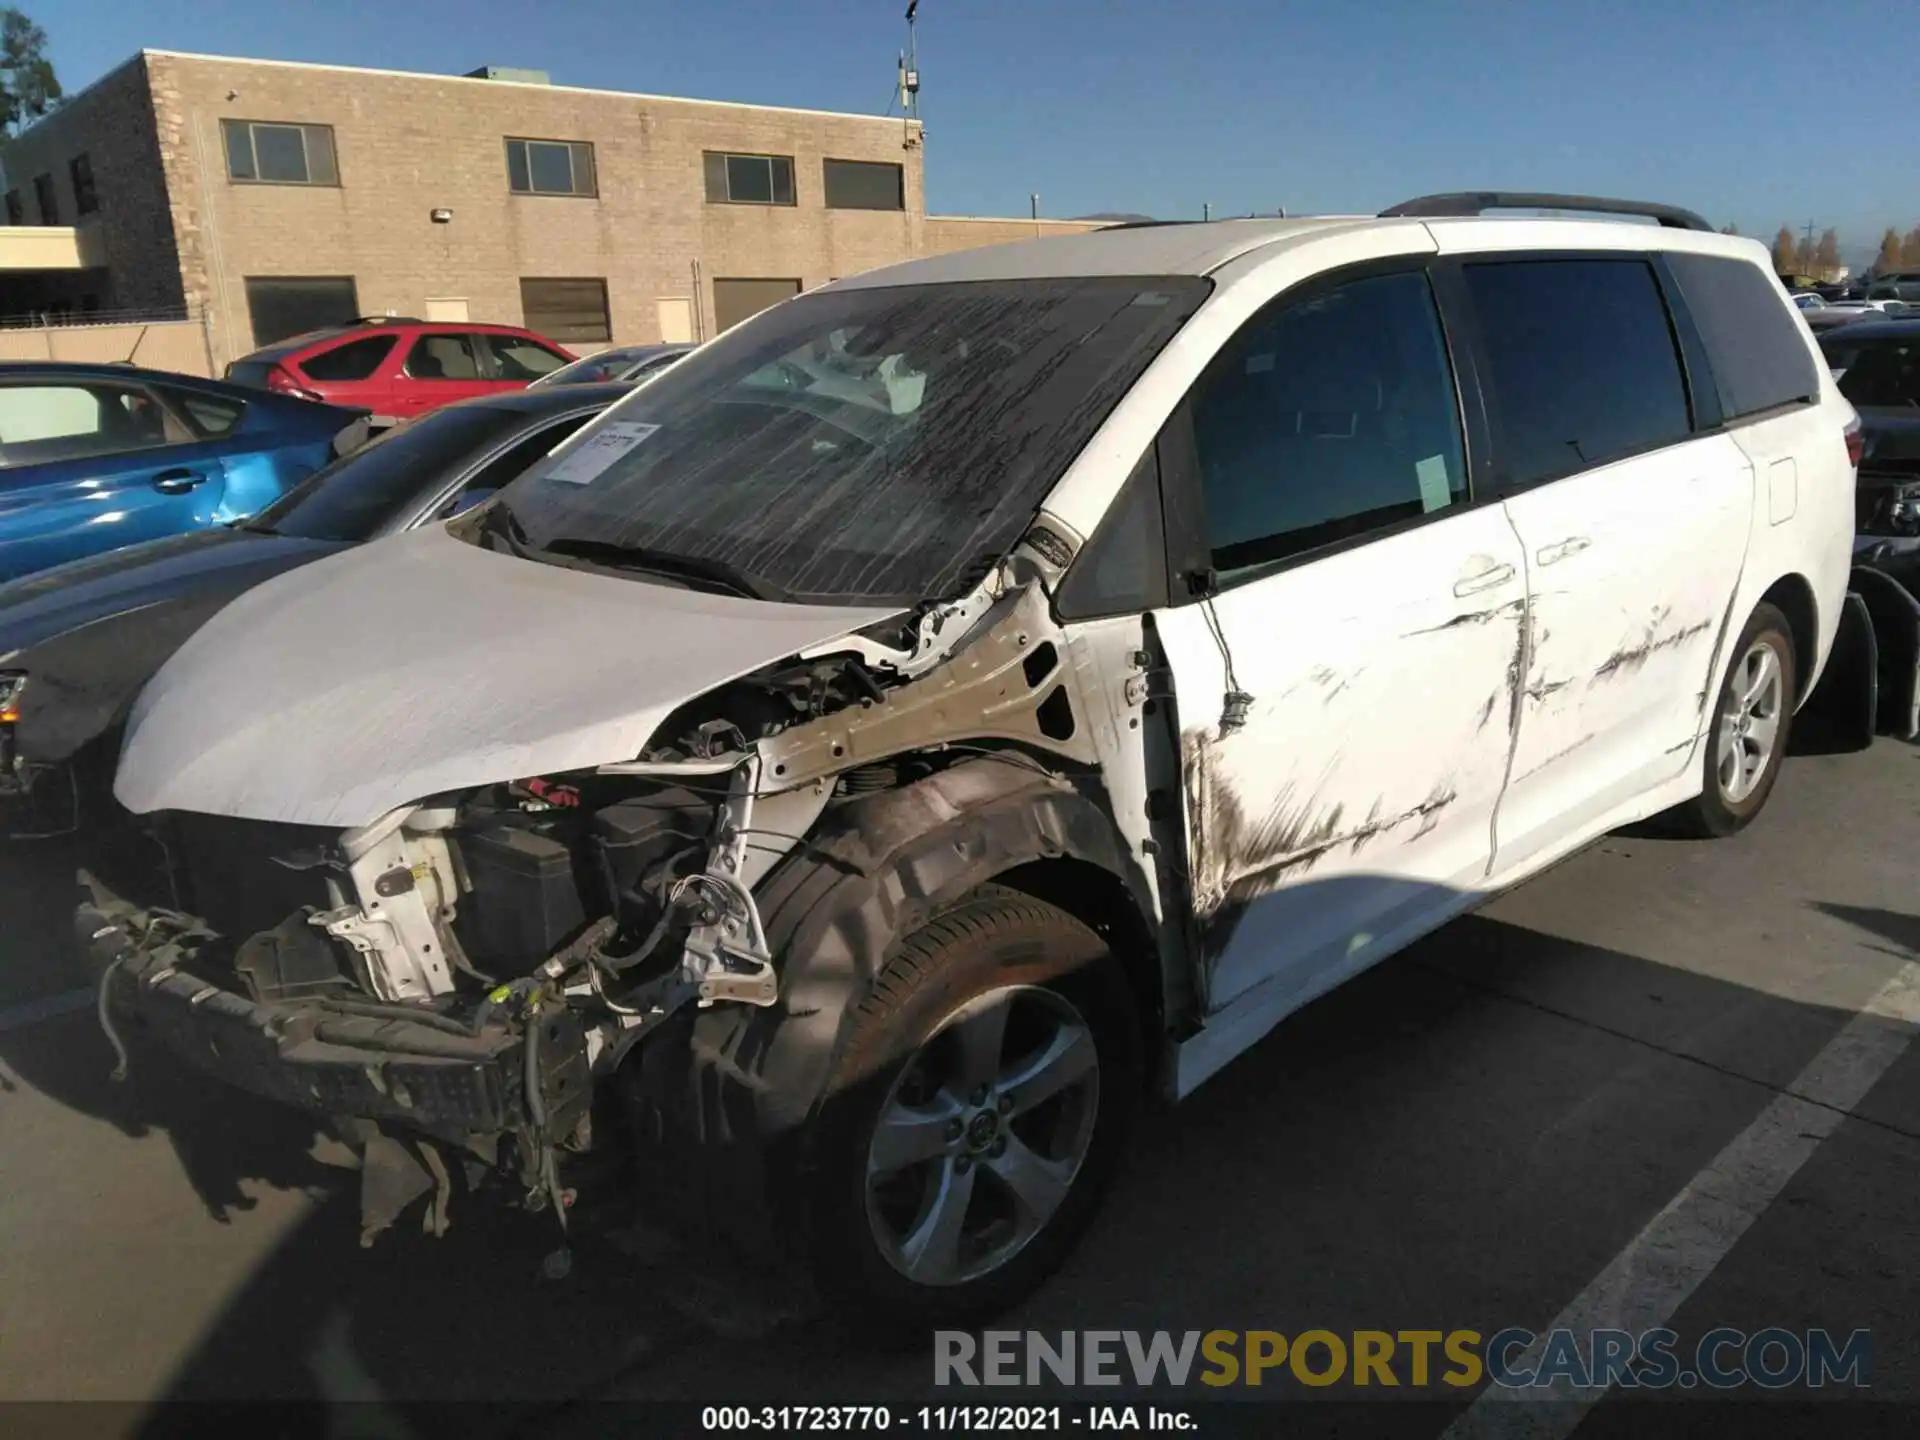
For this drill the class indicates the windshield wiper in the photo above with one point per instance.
(694, 571)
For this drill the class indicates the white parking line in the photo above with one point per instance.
(18, 1017)
(1642, 1287)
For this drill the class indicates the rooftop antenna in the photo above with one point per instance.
(910, 78)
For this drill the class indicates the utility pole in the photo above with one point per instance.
(1206, 210)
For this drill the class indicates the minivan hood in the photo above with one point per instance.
(421, 664)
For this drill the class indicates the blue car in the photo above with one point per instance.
(93, 457)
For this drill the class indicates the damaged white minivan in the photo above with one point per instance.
(972, 696)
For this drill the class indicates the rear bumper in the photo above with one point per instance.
(313, 1055)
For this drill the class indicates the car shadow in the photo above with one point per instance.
(224, 1139)
(1435, 1142)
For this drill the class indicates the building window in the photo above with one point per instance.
(550, 167)
(749, 179)
(16, 208)
(735, 300)
(283, 305)
(49, 202)
(570, 311)
(863, 185)
(264, 152)
(86, 199)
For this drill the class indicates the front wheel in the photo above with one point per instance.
(1750, 728)
(976, 1116)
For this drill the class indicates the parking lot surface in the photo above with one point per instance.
(1639, 1086)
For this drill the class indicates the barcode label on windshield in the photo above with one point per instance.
(589, 459)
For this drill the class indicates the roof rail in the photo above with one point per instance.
(386, 320)
(1476, 202)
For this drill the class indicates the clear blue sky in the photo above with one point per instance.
(1729, 106)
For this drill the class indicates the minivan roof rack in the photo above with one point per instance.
(1477, 202)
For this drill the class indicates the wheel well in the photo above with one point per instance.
(1101, 901)
(1792, 596)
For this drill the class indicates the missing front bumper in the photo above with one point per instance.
(319, 1055)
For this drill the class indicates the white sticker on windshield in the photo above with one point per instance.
(1435, 492)
(586, 461)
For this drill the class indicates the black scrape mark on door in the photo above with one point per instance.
(1630, 658)
(1474, 617)
(1291, 838)
(1486, 713)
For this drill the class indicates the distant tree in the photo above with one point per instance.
(1803, 256)
(1889, 256)
(1910, 247)
(1826, 255)
(1784, 247)
(28, 87)
(1729, 229)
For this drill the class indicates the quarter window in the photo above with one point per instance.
(265, 152)
(1582, 363)
(1759, 360)
(211, 416)
(1324, 419)
(551, 167)
(749, 179)
(355, 360)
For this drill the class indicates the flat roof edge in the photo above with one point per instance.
(523, 85)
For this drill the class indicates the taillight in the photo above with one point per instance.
(280, 382)
(1856, 442)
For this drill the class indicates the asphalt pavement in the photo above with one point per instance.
(1638, 1086)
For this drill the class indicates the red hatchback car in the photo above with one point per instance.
(400, 368)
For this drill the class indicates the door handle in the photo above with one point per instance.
(177, 482)
(1484, 580)
(1572, 545)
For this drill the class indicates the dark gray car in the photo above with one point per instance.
(77, 642)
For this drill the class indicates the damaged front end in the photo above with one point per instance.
(450, 986)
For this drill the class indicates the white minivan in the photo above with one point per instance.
(973, 695)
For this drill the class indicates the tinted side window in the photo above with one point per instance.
(40, 424)
(1758, 358)
(1581, 360)
(1325, 419)
(355, 360)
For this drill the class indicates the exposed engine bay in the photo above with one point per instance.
(448, 984)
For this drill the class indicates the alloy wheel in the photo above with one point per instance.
(1749, 725)
(982, 1134)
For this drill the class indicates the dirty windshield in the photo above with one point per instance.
(868, 446)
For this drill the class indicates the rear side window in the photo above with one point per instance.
(444, 357)
(1582, 363)
(1759, 360)
(355, 360)
(211, 416)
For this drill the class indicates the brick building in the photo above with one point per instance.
(268, 197)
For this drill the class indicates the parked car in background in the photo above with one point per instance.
(93, 457)
(1809, 300)
(1896, 285)
(1877, 366)
(399, 368)
(78, 641)
(971, 693)
(627, 362)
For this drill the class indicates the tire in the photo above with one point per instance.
(1735, 789)
(916, 1047)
